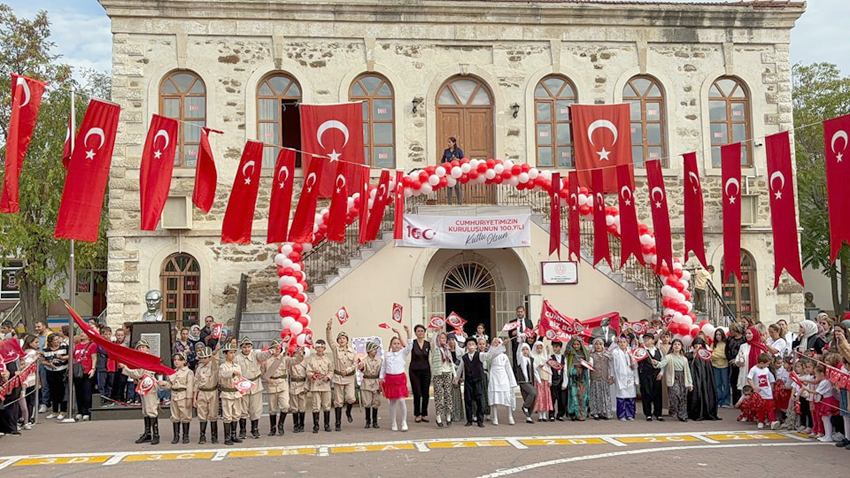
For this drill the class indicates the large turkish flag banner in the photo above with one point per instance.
(206, 176)
(239, 215)
(555, 215)
(573, 221)
(156, 169)
(730, 162)
(629, 230)
(336, 132)
(660, 214)
(835, 137)
(601, 249)
(694, 238)
(26, 100)
(280, 204)
(338, 211)
(301, 229)
(602, 140)
(88, 173)
(783, 210)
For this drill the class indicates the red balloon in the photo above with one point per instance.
(671, 281)
(643, 228)
(297, 247)
(482, 167)
(405, 181)
(455, 163)
(498, 179)
(506, 174)
(702, 324)
(665, 301)
(323, 228)
(302, 320)
(294, 256)
(664, 271)
(475, 174)
(694, 333)
(430, 169)
(525, 167)
(516, 169)
(423, 176)
(490, 163)
(681, 307)
(464, 160)
(416, 185)
(677, 273)
(679, 286)
(583, 190)
(584, 210)
(325, 216)
(612, 229)
(564, 193)
(300, 297)
(464, 179)
(280, 271)
(521, 186)
(646, 248)
(686, 294)
(444, 181)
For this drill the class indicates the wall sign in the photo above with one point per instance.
(559, 272)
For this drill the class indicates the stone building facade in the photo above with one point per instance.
(701, 57)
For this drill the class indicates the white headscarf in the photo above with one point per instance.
(809, 329)
(540, 358)
(521, 359)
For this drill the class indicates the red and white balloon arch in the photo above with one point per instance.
(295, 311)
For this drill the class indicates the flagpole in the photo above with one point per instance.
(72, 283)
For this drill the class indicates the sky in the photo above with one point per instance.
(80, 29)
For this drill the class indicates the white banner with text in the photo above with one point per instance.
(452, 232)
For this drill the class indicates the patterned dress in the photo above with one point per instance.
(600, 391)
(578, 391)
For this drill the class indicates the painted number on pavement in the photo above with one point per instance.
(61, 461)
(747, 436)
(559, 441)
(662, 439)
(169, 456)
(257, 453)
(467, 444)
(356, 449)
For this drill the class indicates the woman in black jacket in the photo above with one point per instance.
(733, 344)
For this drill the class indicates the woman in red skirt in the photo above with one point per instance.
(393, 378)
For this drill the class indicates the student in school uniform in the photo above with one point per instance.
(344, 377)
(298, 389)
(148, 390)
(252, 401)
(471, 370)
(650, 384)
(206, 392)
(181, 383)
(370, 388)
(558, 385)
(229, 373)
(276, 375)
(319, 371)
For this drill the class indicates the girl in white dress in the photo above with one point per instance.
(502, 382)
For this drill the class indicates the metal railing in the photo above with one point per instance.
(14, 314)
(718, 311)
(241, 303)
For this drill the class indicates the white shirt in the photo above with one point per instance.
(394, 362)
(825, 389)
(779, 344)
(763, 379)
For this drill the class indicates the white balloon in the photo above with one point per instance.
(279, 258)
(299, 287)
(408, 192)
(286, 249)
(685, 283)
(513, 181)
(582, 199)
(499, 168)
(324, 211)
(302, 307)
(473, 164)
(307, 247)
(286, 280)
(490, 174)
(546, 174)
(371, 202)
(440, 171)
(301, 340)
(457, 172)
(523, 177)
(286, 262)
(690, 305)
(617, 221)
(465, 167)
(308, 318)
(653, 259)
(373, 192)
(508, 164)
(687, 340)
(433, 180)
(316, 227)
(482, 178)
(426, 189)
(609, 220)
(296, 328)
(686, 275)
(680, 296)
(677, 266)
(349, 203)
(645, 239)
(533, 173)
(451, 182)
(667, 291)
(590, 201)
(296, 267)
(286, 322)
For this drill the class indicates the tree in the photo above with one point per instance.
(820, 93)
(28, 235)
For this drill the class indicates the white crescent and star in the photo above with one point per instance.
(310, 181)
(285, 171)
(737, 184)
(658, 190)
(626, 191)
(574, 201)
(328, 125)
(781, 177)
(600, 202)
(694, 180)
(252, 164)
(338, 185)
(843, 135)
(26, 88)
(602, 123)
(158, 153)
(96, 132)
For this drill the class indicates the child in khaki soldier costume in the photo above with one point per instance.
(370, 388)
(206, 392)
(231, 400)
(319, 370)
(298, 389)
(182, 386)
(345, 368)
(276, 375)
(252, 402)
(149, 400)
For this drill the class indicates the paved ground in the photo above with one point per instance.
(637, 448)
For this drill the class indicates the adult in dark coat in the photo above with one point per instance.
(702, 399)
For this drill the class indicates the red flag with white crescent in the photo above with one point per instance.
(333, 131)
(574, 231)
(602, 140)
(397, 311)
(239, 216)
(629, 232)
(837, 145)
(455, 320)
(601, 250)
(157, 166)
(730, 157)
(338, 211)
(206, 176)
(555, 215)
(88, 173)
(280, 203)
(363, 219)
(301, 229)
(639, 354)
(376, 216)
(783, 210)
(398, 225)
(660, 213)
(436, 322)
(26, 101)
(342, 315)
(694, 238)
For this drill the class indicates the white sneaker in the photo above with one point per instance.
(86, 418)
(774, 425)
(50, 416)
(78, 417)
(42, 409)
(60, 417)
(511, 419)
(394, 427)
(761, 426)
(825, 439)
(404, 425)
(495, 420)
(27, 426)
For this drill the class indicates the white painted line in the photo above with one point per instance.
(115, 459)
(8, 462)
(612, 441)
(219, 455)
(796, 437)
(517, 444)
(323, 451)
(703, 438)
(421, 447)
(520, 469)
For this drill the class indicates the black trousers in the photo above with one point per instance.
(32, 406)
(9, 415)
(473, 392)
(83, 389)
(650, 393)
(57, 390)
(420, 382)
(806, 419)
(733, 382)
(119, 387)
(559, 401)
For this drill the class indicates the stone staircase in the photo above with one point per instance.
(361, 255)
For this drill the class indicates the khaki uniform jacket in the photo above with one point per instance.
(323, 365)
(344, 361)
(206, 376)
(251, 368)
(138, 373)
(181, 384)
(226, 380)
(298, 378)
(371, 374)
(278, 381)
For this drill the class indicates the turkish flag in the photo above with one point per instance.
(337, 217)
(301, 229)
(552, 319)
(783, 210)
(239, 216)
(88, 172)
(376, 216)
(574, 239)
(730, 158)
(629, 233)
(26, 101)
(206, 176)
(66, 150)
(157, 165)
(10, 350)
(281, 198)
(336, 132)
(398, 225)
(835, 137)
(363, 220)
(602, 140)
(660, 214)
(600, 229)
(555, 217)
(694, 240)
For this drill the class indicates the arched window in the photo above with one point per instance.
(278, 121)
(729, 114)
(181, 289)
(183, 96)
(742, 296)
(552, 99)
(649, 133)
(376, 93)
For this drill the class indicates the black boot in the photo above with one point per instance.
(146, 435)
(154, 431)
(242, 423)
(214, 431)
(375, 418)
(280, 423)
(186, 432)
(255, 429)
(327, 420)
(272, 424)
(176, 427)
(368, 418)
(337, 418)
(348, 413)
(315, 422)
(303, 420)
(203, 438)
(233, 433)
(228, 439)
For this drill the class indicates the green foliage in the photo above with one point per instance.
(820, 92)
